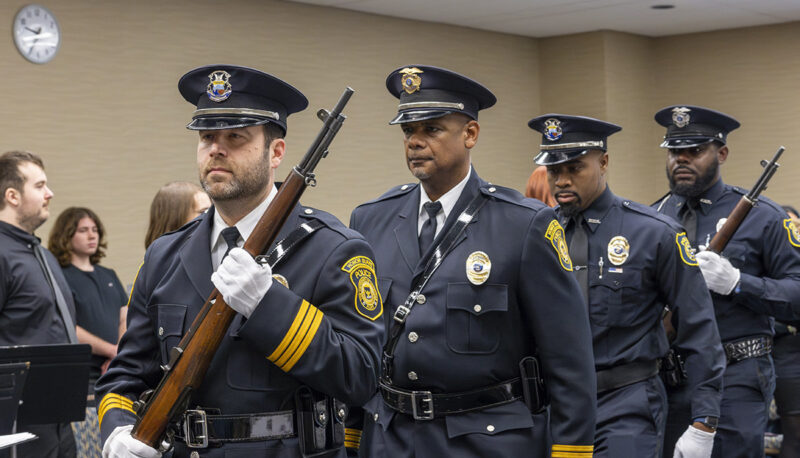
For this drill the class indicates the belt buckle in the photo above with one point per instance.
(190, 418)
(421, 412)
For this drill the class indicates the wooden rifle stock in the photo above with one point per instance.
(189, 361)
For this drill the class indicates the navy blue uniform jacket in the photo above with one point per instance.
(637, 265)
(764, 249)
(529, 304)
(313, 333)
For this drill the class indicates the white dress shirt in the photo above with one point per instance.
(448, 201)
(245, 227)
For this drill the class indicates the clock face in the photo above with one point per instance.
(36, 34)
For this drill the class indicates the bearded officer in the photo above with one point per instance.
(307, 331)
(502, 293)
(630, 262)
(756, 277)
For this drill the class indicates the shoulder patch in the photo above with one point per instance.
(368, 300)
(555, 234)
(792, 232)
(685, 249)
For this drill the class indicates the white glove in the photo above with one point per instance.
(242, 281)
(721, 277)
(120, 444)
(694, 444)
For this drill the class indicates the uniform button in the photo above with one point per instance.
(30, 246)
(404, 187)
(161, 331)
(194, 455)
(477, 308)
(421, 299)
(492, 189)
(490, 428)
(308, 211)
(341, 413)
(412, 375)
(413, 336)
(375, 417)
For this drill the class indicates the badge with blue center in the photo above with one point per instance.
(681, 117)
(552, 129)
(685, 249)
(618, 250)
(478, 267)
(411, 79)
(368, 300)
(219, 88)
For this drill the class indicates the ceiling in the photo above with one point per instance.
(545, 18)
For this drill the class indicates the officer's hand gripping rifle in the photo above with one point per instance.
(189, 361)
(746, 203)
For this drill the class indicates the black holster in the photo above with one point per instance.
(534, 392)
(320, 422)
(673, 370)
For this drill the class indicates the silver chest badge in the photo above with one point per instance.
(478, 267)
(618, 250)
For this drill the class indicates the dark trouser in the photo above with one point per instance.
(787, 392)
(55, 441)
(748, 387)
(630, 420)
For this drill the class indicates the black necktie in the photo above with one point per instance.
(689, 219)
(231, 236)
(579, 252)
(428, 231)
(61, 303)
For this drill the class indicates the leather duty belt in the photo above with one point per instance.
(197, 429)
(749, 347)
(625, 374)
(424, 405)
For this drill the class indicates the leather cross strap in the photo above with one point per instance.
(282, 248)
(442, 249)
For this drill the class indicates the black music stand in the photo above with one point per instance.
(56, 384)
(12, 380)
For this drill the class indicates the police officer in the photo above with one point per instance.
(306, 328)
(756, 277)
(630, 263)
(502, 293)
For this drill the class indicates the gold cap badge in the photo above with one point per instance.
(411, 79)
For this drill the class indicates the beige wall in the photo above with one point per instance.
(107, 117)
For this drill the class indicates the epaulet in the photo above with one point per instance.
(329, 221)
(762, 200)
(651, 212)
(511, 196)
(739, 190)
(396, 191)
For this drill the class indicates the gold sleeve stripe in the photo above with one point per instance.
(572, 448)
(113, 401)
(571, 455)
(297, 339)
(287, 339)
(312, 331)
(351, 445)
(134, 283)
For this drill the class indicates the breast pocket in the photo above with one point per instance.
(614, 300)
(474, 316)
(169, 326)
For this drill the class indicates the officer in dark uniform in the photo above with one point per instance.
(631, 262)
(307, 328)
(757, 277)
(502, 293)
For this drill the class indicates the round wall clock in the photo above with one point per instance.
(36, 34)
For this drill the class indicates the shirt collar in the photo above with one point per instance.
(448, 199)
(707, 198)
(16, 232)
(244, 225)
(598, 210)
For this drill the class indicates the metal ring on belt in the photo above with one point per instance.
(749, 347)
(625, 374)
(424, 405)
(198, 429)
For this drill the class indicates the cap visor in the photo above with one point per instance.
(558, 156)
(414, 116)
(679, 143)
(218, 123)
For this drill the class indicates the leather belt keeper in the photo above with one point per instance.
(749, 347)
(625, 374)
(199, 430)
(424, 405)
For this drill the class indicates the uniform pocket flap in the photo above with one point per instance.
(491, 421)
(477, 299)
(616, 278)
(170, 320)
